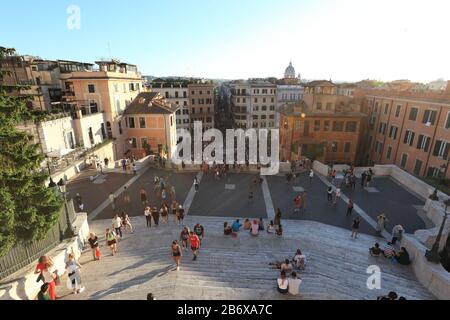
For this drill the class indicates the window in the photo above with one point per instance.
(441, 149)
(193, 101)
(144, 142)
(271, 116)
(397, 110)
(404, 160)
(382, 128)
(192, 92)
(350, 126)
(141, 122)
(413, 114)
(256, 100)
(297, 124)
(264, 100)
(329, 106)
(316, 125)
(91, 136)
(120, 127)
(131, 123)
(185, 103)
(393, 132)
(306, 128)
(423, 143)
(263, 117)
(255, 108)
(91, 88)
(272, 108)
(326, 125)
(134, 143)
(409, 137)
(255, 117)
(432, 172)
(386, 108)
(417, 167)
(347, 146)
(429, 117)
(201, 92)
(389, 151)
(103, 131)
(447, 122)
(319, 106)
(264, 108)
(338, 126)
(334, 146)
(376, 106)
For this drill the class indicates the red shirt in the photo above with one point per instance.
(195, 241)
(41, 267)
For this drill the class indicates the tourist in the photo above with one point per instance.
(196, 185)
(353, 181)
(41, 266)
(150, 296)
(199, 231)
(124, 165)
(180, 214)
(184, 237)
(155, 216)
(261, 224)
(227, 229)
(270, 227)
(333, 176)
(163, 195)
(148, 216)
(254, 228)
(355, 227)
(93, 243)
(79, 202)
(50, 277)
(112, 199)
(337, 195)
(164, 211)
(250, 196)
(304, 201)
(126, 196)
(236, 226)
(195, 244)
(402, 256)
(117, 225)
(143, 196)
(172, 193)
(279, 231)
(297, 203)
(282, 283)
(300, 260)
(277, 220)
(311, 175)
(134, 167)
(294, 284)
(381, 223)
(176, 253)
(330, 194)
(44, 293)
(111, 240)
(174, 210)
(363, 178)
(126, 222)
(388, 250)
(397, 233)
(247, 224)
(74, 274)
(286, 266)
(349, 207)
(375, 251)
(368, 178)
(391, 296)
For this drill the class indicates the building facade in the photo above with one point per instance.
(202, 107)
(289, 90)
(412, 132)
(323, 125)
(150, 125)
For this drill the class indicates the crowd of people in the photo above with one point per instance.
(288, 281)
(255, 226)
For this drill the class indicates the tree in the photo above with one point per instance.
(28, 209)
(313, 151)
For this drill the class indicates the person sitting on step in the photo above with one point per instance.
(227, 229)
(247, 224)
(388, 251)
(279, 231)
(270, 227)
(299, 260)
(282, 283)
(286, 266)
(254, 228)
(236, 226)
(375, 251)
(261, 224)
(402, 256)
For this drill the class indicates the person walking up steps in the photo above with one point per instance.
(195, 244)
(180, 214)
(117, 225)
(143, 196)
(330, 194)
(148, 216)
(155, 215)
(93, 243)
(174, 210)
(184, 237)
(111, 240)
(297, 203)
(199, 230)
(112, 199)
(381, 223)
(349, 207)
(337, 196)
(126, 196)
(196, 185)
(277, 220)
(176, 253)
(355, 227)
(311, 175)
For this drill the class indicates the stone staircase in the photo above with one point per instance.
(238, 268)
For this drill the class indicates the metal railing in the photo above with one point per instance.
(22, 254)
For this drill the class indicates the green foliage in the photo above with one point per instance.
(313, 151)
(28, 209)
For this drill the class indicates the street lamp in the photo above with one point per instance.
(433, 254)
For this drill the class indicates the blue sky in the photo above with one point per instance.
(337, 39)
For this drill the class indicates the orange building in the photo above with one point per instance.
(150, 125)
(323, 123)
(409, 130)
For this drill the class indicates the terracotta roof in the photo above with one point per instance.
(320, 83)
(147, 103)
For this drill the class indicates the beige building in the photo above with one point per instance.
(253, 104)
(99, 99)
(201, 96)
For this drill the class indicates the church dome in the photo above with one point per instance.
(289, 73)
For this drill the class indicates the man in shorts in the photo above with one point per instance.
(195, 244)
